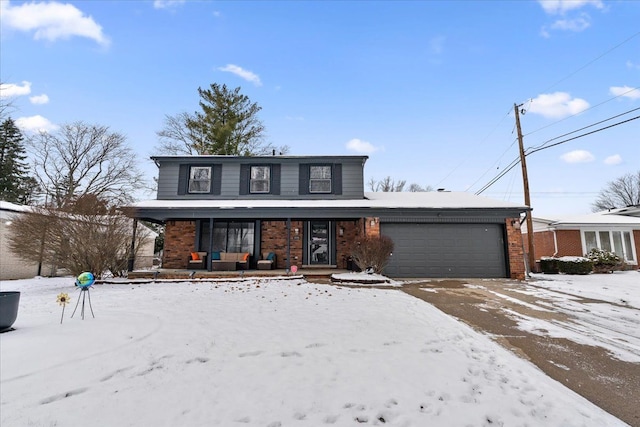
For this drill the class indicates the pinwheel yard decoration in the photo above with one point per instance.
(84, 282)
(62, 299)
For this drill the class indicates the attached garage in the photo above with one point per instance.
(447, 250)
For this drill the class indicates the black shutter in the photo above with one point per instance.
(183, 179)
(304, 180)
(336, 177)
(245, 170)
(275, 179)
(216, 179)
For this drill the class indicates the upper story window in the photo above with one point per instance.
(260, 180)
(320, 179)
(199, 179)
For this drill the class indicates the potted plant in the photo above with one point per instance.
(9, 301)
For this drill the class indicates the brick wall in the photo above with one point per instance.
(569, 243)
(544, 244)
(372, 226)
(515, 249)
(179, 241)
(352, 230)
(274, 239)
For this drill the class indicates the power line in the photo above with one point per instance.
(592, 61)
(583, 128)
(515, 162)
(584, 134)
(576, 114)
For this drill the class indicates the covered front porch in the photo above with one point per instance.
(310, 274)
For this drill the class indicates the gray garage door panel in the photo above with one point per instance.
(446, 250)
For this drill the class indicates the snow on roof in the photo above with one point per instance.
(424, 200)
(8, 206)
(598, 218)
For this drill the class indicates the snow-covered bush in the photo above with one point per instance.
(605, 261)
(575, 265)
(549, 265)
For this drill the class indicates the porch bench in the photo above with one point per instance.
(229, 261)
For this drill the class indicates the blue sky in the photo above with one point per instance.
(425, 89)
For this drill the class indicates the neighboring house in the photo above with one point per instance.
(577, 235)
(309, 210)
(13, 266)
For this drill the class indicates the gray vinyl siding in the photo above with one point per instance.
(168, 177)
(230, 181)
(350, 179)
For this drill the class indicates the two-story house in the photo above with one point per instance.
(308, 210)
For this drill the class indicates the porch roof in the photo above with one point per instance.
(373, 204)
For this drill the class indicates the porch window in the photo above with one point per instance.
(320, 179)
(618, 242)
(233, 236)
(199, 179)
(260, 181)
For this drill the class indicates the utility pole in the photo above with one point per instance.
(525, 182)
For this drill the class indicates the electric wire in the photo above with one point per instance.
(583, 111)
(528, 152)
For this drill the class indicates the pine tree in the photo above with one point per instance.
(15, 185)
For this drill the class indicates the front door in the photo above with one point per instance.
(318, 243)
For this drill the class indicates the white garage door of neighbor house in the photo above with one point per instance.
(446, 250)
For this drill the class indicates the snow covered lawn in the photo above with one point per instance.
(271, 352)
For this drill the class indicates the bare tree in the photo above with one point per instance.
(619, 193)
(88, 236)
(388, 184)
(176, 138)
(82, 159)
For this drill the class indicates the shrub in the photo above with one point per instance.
(372, 252)
(605, 261)
(549, 265)
(575, 265)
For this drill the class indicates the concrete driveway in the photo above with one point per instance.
(586, 365)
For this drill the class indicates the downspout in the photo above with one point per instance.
(288, 245)
(209, 263)
(132, 254)
(526, 259)
(555, 243)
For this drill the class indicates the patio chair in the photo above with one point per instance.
(197, 260)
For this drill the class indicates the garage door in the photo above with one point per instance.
(446, 250)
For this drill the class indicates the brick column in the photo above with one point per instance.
(274, 239)
(179, 242)
(515, 249)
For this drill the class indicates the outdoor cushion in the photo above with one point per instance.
(215, 256)
(245, 257)
(271, 256)
(195, 256)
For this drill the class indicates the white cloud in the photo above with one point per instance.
(360, 146)
(633, 65)
(35, 124)
(166, 4)
(557, 105)
(242, 73)
(12, 89)
(51, 21)
(613, 160)
(625, 91)
(575, 25)
(554, 7)
(578, 156)
(39, 99)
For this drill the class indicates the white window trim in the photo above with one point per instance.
(330, 179)
(267, 180)
(634, 256)
(191, 179)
